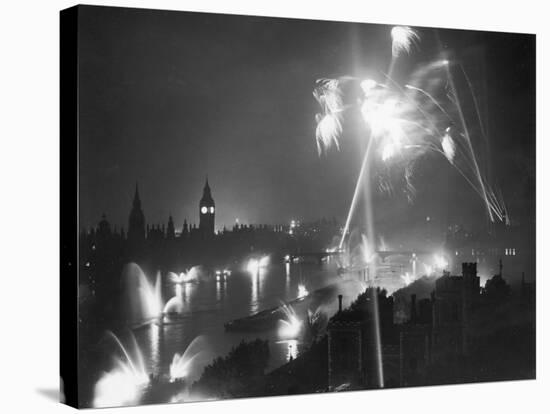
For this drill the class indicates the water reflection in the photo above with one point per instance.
(188, 290)
(291, 346)
(209, 304)
(287, 273)
(256, 286)
(155, 333)
(220, 289)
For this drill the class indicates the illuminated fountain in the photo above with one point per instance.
(358, 254)
(222, 274)
(302, 291)
(144, 296)
(129, 383)
(182, 280)
(316, 324)
(254, 264)
(186, 366)
(174, 306)
(254, 267)
(191, 275)
(407, 278)
(440, 262)
(290, 326)
(126, 382)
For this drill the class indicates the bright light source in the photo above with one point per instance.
(291, 326)
(368, 85)
(440, 262)
(403, 38)
(264, 261)
(253, 266)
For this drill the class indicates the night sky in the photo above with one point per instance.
(167, 98)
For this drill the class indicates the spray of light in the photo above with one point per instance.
(355, 198)
(405, 123)
(174, 305)
(367, 252)
(253, 266)
(383, 245)
(191, 275)
(124, 384)
(407, 278)
(302, 291)
(184, 365)
(448, 145)
(329, 128)
(290, 326)
(316, 323)
(359, 253)
(440, 262)
(264, 261)
(145, 296)
(403, 39)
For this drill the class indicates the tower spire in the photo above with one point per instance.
(137, 201)
(136, 221)
(207, 209)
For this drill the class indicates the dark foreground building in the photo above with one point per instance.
(462, 333)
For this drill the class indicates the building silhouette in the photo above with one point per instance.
(136, 221)
(207, 212)
(444, 330)
(167, 246)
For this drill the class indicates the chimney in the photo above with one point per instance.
(340, 303)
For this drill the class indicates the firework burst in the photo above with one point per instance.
(403, 39)
(405, 123)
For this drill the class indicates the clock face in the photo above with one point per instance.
(204, 209)
(212, 210)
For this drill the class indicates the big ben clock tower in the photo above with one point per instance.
(207, 211)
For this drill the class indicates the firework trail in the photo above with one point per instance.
(423, 117)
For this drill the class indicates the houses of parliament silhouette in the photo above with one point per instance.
(105, 250)
(138, 231)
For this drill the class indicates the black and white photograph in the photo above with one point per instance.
(273, 206)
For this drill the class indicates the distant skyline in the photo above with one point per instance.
(168, 98)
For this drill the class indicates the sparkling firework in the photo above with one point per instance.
(403, 39)
(406, 123)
